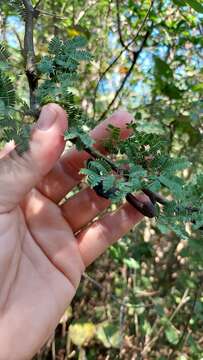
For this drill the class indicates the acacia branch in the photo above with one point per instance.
(37, 4)
(119, 26)
(120, 53)
(145, 207)
(135, 57)
(29, 52)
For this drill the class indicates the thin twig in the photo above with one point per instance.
(141, 26)
(120, 53)
(140, 294)
(135, 57)
(42, 12)
(181, 339)
(19, 41)
(182, 303)
(37, 4)
(119, 26)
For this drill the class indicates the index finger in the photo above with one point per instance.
(65, 174)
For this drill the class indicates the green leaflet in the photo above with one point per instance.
(60, 68)
(196, 5)
(4, 54)
(7, 91)
(173, 183)
(100, 166)
(172, 165)
(108, 182)
(172, 334)
(55, 45)
(93, 178)
(165, 80)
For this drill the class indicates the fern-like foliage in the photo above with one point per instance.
(59, 70)
(10, 121)
(4, 54)
(7, 91)
(144, 164)
(140, 162)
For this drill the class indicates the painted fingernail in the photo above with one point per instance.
(47, 118)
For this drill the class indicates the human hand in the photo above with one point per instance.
(41, 260)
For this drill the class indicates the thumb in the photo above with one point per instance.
(19, 174)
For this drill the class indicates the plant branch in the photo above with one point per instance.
(37, 4)
(182, 303)
(144, 207)
(135, 57)
(42, 12)
(120, 53)
(182, 337)
(29, 52)
(19, 41)
(140, 294)
(119, 26)
(147, 208)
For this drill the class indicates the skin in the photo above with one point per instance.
(41, 258)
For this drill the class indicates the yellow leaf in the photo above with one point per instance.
(73, 32)
(81, 333)
(123, 70)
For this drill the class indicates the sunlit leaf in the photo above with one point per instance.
(172, 334)
(109, 335)
(81, 333)
(196, 5)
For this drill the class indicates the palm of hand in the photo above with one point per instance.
(42, 271)
(41, 260)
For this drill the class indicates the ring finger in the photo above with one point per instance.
(83, 207)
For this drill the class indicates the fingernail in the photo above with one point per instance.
(47, 118)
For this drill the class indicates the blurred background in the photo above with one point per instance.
(143, 299)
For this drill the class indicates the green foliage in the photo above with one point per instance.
(19, 7)
(172, 334)
(10, 121)
(144, 163)
(196, 5)
(60, 71)
(165, 80)
(148, 270)
(4, 54)
(7, 92)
